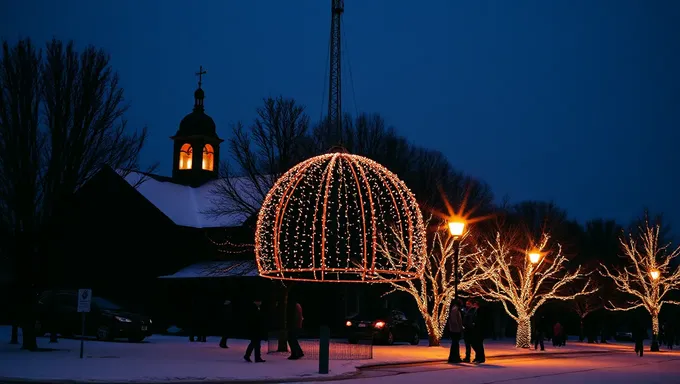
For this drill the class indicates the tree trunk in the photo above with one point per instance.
(15, 334)
(29, 341)
(655, 325)
(580, 334)
(433, 339)
(523, 338)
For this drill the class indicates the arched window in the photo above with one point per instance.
(185, 155)
(208, 157)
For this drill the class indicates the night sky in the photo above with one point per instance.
(576, 101)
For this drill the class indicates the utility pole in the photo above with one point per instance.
(334, 90)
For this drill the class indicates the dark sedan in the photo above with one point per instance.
(57, 311)
(387, 327)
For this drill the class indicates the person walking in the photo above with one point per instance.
(255, 331)
(639, 333)
(294, 327)
(539, 333)
(226, 324)
(456, 328)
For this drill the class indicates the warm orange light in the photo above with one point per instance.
(534, 257)
(185, 155)
(655, 274)
(208, 157)
(457, 228)
(379, 324)
(348, 323)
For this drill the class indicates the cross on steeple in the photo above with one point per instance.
(200, 74)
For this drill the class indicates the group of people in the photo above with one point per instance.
(559, 337)
(465, 323)
(257, 329)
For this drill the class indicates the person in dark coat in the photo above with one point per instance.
(467, 332)
(477, 334)
(295, 320)
(670, 336)
(639, 333)
(539, 333)
(256, 330)
(226, 323)
(455, 324)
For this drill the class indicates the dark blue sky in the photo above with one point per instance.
(577, 101)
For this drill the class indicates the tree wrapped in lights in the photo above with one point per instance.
(524, 277)
(434, 290)
(322, 219)
(648, 275)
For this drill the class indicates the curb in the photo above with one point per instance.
(298, 379)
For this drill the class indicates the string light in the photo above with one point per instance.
(521, 285)
(434, 290)
(646, 259)
(322, 219)
(228, 247)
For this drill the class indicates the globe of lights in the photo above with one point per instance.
(327, 217)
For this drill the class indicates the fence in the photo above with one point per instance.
(339, 349)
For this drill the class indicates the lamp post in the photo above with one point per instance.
(457, 229)
(655, 274)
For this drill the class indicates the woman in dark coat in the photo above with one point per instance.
(639, 333)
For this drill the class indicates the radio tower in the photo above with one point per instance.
(334, 93)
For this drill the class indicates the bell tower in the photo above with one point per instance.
(196, 154)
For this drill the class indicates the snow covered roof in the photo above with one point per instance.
(213, 269)
(184, 205)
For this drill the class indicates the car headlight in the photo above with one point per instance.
(150, 322)
(348, 323)
(379, 324)
(123, 319)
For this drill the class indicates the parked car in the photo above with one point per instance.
(57, 310)
(387, 328)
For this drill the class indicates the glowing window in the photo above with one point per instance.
(208, 157)
(185, 155)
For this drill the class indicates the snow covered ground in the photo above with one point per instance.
(171, 358)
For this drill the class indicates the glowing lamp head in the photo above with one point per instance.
(655, 274)
(534, 257)
(457, 228)
(348, 323)
(379, 324)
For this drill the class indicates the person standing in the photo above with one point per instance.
(294, 327)
(255, 331)
(226, 323)
(456, 329)
(557, 334)
(467, 331)
(477, 334)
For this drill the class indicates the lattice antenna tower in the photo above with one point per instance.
(334, 89)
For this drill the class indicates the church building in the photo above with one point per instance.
(128, 229)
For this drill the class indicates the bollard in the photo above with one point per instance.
(324, 344)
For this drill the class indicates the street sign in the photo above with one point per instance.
(84, 300)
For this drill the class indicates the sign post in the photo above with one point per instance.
(324, 344)
(84, 301)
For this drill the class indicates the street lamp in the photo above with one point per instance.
(655, 274)
(457, 229)
(534, 257)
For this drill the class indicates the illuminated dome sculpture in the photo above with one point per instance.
(323, 219)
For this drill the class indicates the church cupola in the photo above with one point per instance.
(196, 154)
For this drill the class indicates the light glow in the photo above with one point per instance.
(654, 274)
(185, 156)
(323, 219)
(379, 324)
(208, 158)
(534, 257)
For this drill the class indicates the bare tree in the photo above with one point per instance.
(648, 275)
(584, 305)
(61, 120)
(277, 140)
(433, 291)
(523, 276)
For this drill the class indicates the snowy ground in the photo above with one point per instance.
(170, 358)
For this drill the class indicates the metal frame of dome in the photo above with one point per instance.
(322, 221)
